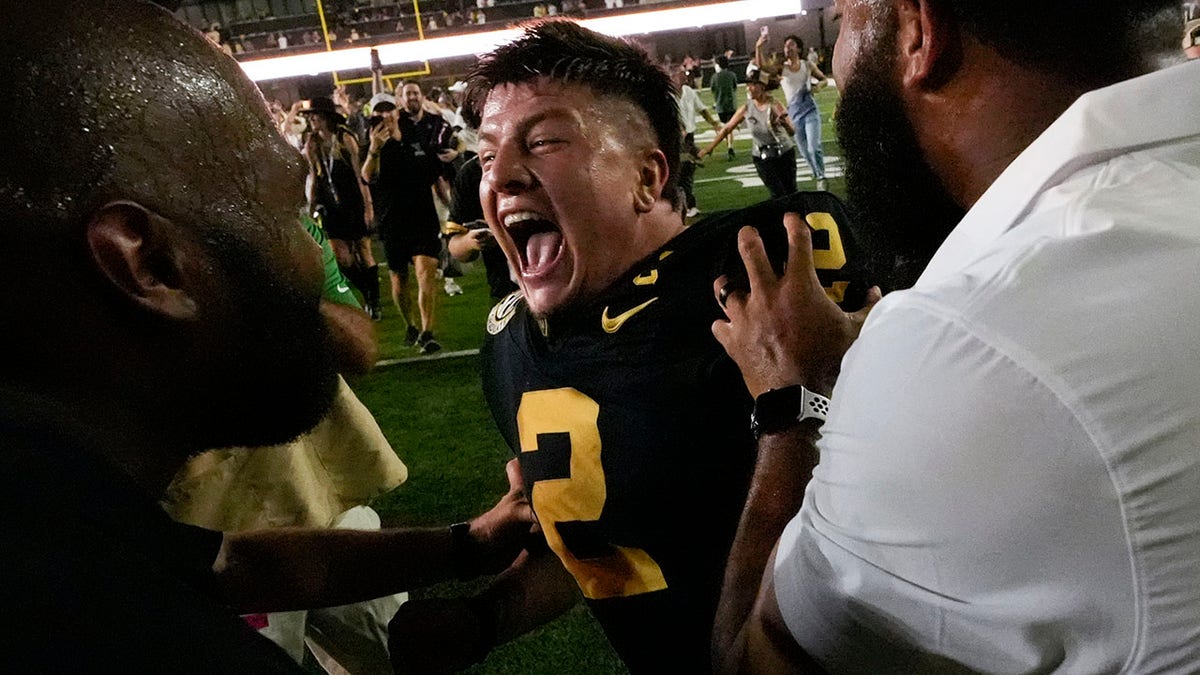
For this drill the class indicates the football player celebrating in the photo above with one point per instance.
(631, 424)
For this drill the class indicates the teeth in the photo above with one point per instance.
(522, 216)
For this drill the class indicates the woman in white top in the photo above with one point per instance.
(771, 132)
(797, 76)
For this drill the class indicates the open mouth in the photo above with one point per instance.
(538, 239)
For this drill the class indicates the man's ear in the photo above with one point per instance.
(929, 43)
(137, 251)
(651, 180)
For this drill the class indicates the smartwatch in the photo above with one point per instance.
(779, 409)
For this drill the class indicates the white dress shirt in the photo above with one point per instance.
(1010, 473)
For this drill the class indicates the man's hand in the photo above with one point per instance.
(379, 136)
(465, 246)
(785, 330)
(341, 99)
(500, 533)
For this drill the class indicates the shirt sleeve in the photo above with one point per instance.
(956, 511)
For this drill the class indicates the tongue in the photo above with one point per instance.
(541, 249)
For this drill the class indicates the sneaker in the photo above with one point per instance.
(411, 336)
(452, 287)
(374, 311)
(822, 185)
(428, 344)
(693, 212)
(731, 154)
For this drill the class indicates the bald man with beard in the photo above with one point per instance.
(1007, 479)
(140, 204)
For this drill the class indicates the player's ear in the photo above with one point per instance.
(651, 180)
(929, 43)
(138, 252)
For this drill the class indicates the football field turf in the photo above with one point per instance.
(432, 411)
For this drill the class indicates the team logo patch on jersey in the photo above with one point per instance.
(503, 312)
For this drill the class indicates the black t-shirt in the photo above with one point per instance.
(408, 168)
(632, 427)
(97, 578)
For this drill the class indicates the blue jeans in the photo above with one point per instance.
(807, 120)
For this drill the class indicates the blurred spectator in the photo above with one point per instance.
(770, 130)
(690, 105)
(338, 193)
(405, 160)
(295, 126)
(467, 234)
(798, 76)
(282, 41)
(724, 90)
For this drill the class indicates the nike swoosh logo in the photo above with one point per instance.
(343, 288)
(646, 279)
(614, 324)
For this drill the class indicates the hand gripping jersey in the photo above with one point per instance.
(632, 428)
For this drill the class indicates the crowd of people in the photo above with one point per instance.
(727, 441)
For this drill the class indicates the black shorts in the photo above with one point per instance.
(725, 116)
(401, 247)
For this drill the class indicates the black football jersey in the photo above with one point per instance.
(632, 428)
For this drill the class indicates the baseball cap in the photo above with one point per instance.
(381, 98)
(1191, 33)
(762, 77)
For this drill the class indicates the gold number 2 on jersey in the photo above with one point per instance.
(580, 497)
(832, 258)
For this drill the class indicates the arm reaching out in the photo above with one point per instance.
(724, 131)
(298, 568)
(783, 331)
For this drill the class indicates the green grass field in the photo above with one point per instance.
(432, 410)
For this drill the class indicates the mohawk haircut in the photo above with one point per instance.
(563, 51)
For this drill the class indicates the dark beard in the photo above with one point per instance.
(891, 189)
(278, 379)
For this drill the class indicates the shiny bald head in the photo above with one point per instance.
(151, 207)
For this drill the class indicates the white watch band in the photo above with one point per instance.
(813, 405)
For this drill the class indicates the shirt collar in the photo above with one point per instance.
(1102, 124)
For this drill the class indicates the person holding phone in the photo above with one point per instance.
(407, 152)
(797, 76)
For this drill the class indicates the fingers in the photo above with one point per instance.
(754, 255)
(515, 482)
(800, 254)
(874, 295)
(723, 290)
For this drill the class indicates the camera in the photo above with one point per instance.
(374, 120)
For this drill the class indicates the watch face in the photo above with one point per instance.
(777, 409)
